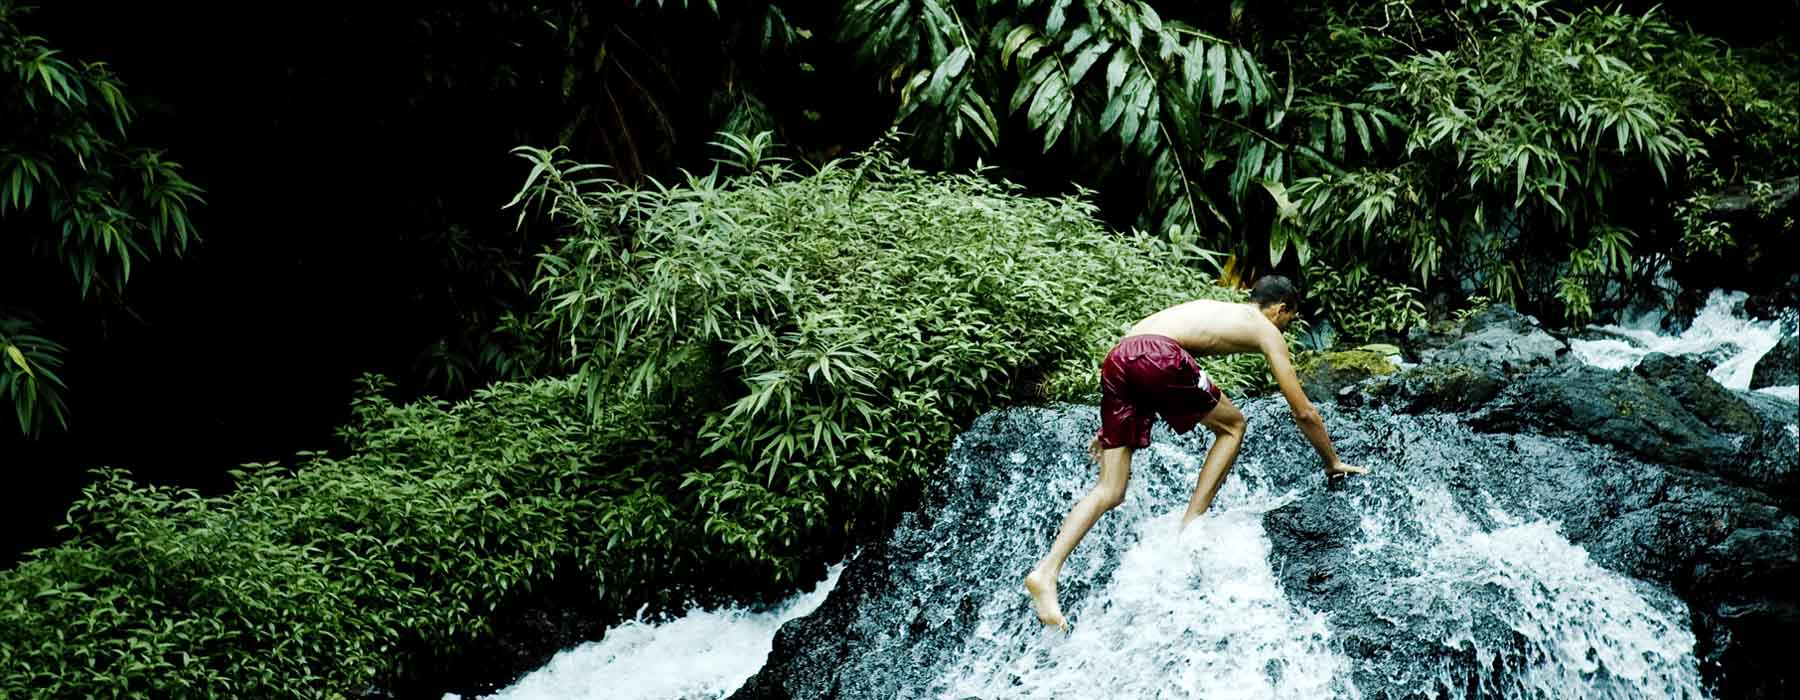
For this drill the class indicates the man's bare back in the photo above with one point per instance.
(1205, 327)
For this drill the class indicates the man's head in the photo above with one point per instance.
(1277, 298)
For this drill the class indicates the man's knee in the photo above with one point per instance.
(1229, 422)
(1110, 496)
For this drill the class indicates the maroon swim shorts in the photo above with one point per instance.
(1143, 376)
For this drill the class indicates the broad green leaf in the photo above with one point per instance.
(1028, 87)
(1115, 73)
(1337, 132)
(1051, 90)
(1086, 60)
(1285, 208)
(1278, 242)
(19, 358)
(1014, 40)
(1053, 24)
(947, 72)
(1524, 162)
(1215, 67)
(1077, 39)
(1240, 74)
(1058, 120)
(1193, 66)
(1114, 108)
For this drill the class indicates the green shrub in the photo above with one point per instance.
(1361, 305)
(313, 582)
(826, 336)
(76, 193)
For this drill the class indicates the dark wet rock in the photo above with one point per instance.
(1657, 473)
(1317, 532)
(1687, 534)
(904, 605)
(1728, 551)
(1666, 410)
(1781, 366)
(1429, 388)
(1781, 195)
(1497, 337)
(1782, 303)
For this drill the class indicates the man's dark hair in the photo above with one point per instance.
(1275, 289)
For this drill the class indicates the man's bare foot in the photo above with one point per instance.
(1042, 588)
(1341, 470)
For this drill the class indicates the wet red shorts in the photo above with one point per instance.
(1146, 375)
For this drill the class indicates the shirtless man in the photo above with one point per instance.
(1152, 371)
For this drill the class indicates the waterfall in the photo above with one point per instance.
(1456, 578)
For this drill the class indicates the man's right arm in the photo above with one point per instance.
(1274, 348)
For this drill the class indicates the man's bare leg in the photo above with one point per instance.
(1115, 472)
(1227, 424)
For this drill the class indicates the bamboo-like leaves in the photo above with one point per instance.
(1098, 78)
(104, 204)
(28, 376)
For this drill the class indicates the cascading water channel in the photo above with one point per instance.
(703, 654)
(1720, 334)
(1459, 579)
(1199, 614)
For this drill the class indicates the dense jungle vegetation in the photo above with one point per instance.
(325, 332)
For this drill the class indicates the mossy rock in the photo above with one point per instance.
(1325, 374)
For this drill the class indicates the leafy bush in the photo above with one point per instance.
(1187, 112)
(824, 337)
(313, 583)
(1361, 305)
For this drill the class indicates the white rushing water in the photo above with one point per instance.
(1720, 333)
(1541, 618)
(1199, 615)
(705, 654)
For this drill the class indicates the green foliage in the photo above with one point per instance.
(73, 193)
(1513, 140)
(1477, 304)
(1102, 78)
(825, 336)
(1745, 104)
(63, 158)
(1361, 305)
(315, 582)
(1482, 141)
(28, 365)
